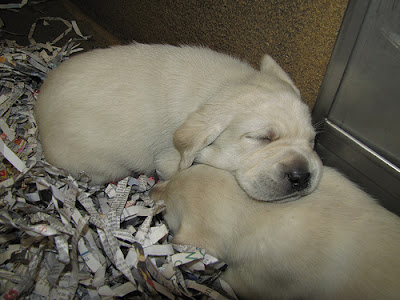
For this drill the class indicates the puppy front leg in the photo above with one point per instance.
(167, 163)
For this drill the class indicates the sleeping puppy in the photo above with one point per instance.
(336, 243)
(136, 108)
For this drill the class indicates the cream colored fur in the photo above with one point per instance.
(136, 108)
(336, 243)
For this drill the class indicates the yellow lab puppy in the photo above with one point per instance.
(135, 108)
(336, 243)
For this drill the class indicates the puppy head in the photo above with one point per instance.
(263, 135)
(279, 164)
(269, 150)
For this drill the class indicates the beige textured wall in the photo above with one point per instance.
(299, 34)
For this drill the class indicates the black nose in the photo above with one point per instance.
(299, 179)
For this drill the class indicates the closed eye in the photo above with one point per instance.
(262, 139)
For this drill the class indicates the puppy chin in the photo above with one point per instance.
(279, 199)
(291, 197)
(262, 189)
(285, 199)
(269, 190)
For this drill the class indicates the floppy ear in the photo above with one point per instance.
(200, 129)
(158, 190)
(270, 66)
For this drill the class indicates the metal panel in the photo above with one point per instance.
(359, 101)
(367, 104)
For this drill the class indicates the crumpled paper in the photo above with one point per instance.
(61, 238)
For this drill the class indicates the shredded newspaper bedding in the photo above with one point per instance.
(63, 239)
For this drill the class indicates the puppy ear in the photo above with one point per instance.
(200, 129)
(270, 66)
(158, 190)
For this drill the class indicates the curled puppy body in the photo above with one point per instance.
(136, 108)
(336, 243)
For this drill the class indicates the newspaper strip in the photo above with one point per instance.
(13, 5)
(69, 26)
